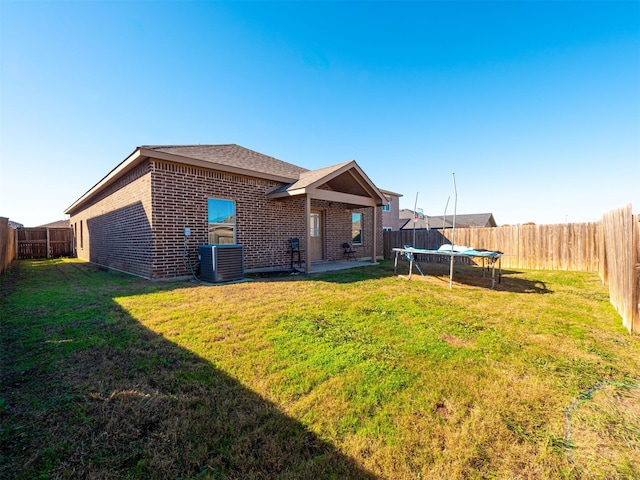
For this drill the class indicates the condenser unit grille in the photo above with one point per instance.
(221, 263)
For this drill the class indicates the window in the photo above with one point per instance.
(222, 221)
(81, 235)
(387, 207)
(356, 229)
(315, 225)
(387, 229)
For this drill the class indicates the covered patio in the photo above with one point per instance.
(345, 184)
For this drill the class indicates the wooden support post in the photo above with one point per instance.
(375, 234)
(307, 226)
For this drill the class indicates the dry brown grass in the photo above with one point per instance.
(605, 430)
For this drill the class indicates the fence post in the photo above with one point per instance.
(635, 315)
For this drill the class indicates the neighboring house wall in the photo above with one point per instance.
(391, 218)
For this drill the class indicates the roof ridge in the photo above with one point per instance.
(195, 145)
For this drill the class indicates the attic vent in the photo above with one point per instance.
(221, 263)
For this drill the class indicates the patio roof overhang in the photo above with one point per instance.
(344, 183)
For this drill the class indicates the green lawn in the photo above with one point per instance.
(353, 374)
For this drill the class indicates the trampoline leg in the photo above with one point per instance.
(418, 267)
(493, 273)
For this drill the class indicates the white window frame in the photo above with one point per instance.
(357, 234)
(314, 224)
(224, 220)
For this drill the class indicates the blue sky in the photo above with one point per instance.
(534, 105)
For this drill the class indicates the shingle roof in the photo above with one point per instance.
(57, 224)
(311, 176)
(462, 221)
(234, 156)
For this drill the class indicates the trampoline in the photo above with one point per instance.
(447, 250)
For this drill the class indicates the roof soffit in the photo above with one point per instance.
(349, 183)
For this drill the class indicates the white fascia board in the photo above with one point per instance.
(123, 167)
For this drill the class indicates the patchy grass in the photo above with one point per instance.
(352, 374)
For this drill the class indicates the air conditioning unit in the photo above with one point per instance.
(221, 263)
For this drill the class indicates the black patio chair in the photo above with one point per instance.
(294, 249)
(349, 252)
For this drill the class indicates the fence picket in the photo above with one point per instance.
(45, 242)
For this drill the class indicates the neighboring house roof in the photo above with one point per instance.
(462, 221)
(389, 194)
(420, 224)
(57, 224)
(405, 213)
(346, 177)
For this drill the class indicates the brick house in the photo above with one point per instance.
(136, 218)
(391, 211)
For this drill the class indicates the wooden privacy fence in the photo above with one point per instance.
(45, 242)
(620, 263)
(7, 244)
(572, 246)
(610, 247)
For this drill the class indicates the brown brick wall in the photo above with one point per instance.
(114, 229)
(337, 223)
(180, 196)
(137, 225)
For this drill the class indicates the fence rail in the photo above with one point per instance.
(45, 242)
(610, 247)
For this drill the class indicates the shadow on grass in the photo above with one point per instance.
(474, 276)
(465, 274)
(88, 392)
